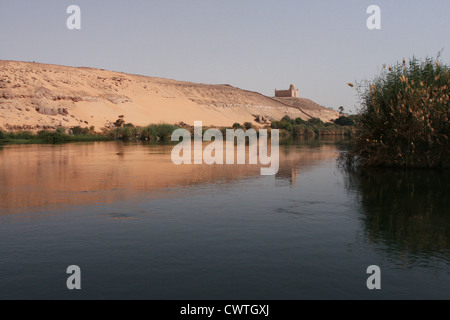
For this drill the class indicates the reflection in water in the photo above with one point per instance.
(161, 231)
(35, 177)
(405, 211)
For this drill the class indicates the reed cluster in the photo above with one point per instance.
(404, 118)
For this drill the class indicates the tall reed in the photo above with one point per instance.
(404, 120)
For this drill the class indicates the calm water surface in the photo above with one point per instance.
(140, 227)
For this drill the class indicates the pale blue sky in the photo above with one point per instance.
(257, 45)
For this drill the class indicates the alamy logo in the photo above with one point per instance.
(374, 21)
(74, 281)
(74, 20)
(214, 152)
(374, 281)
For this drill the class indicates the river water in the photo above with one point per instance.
(140, 227)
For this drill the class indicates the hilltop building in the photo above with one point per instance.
(291, 93)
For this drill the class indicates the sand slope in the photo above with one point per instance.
(36, 96)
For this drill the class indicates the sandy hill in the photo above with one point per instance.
(34, 96)
(310, 108)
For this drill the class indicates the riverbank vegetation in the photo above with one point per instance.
(154, 132)
(404, 120)
(162, 132)
(298, 127)
(60, 135)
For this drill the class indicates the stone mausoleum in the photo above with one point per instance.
(291, 93)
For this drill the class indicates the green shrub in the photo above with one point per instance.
(52, 137)
(248, 125)
(22, 135)
(126, 133)
(79, 131)
(287, 119)
(164, 131)
(148, 133)
(344, 121)
(299, 121)
(286, 126)
(312, 127)
(315, 121)
(61, 130)
(154, 132)
(282, 125)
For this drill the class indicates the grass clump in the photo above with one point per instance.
(404, 121)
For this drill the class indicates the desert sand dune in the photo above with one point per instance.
(36, 96)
